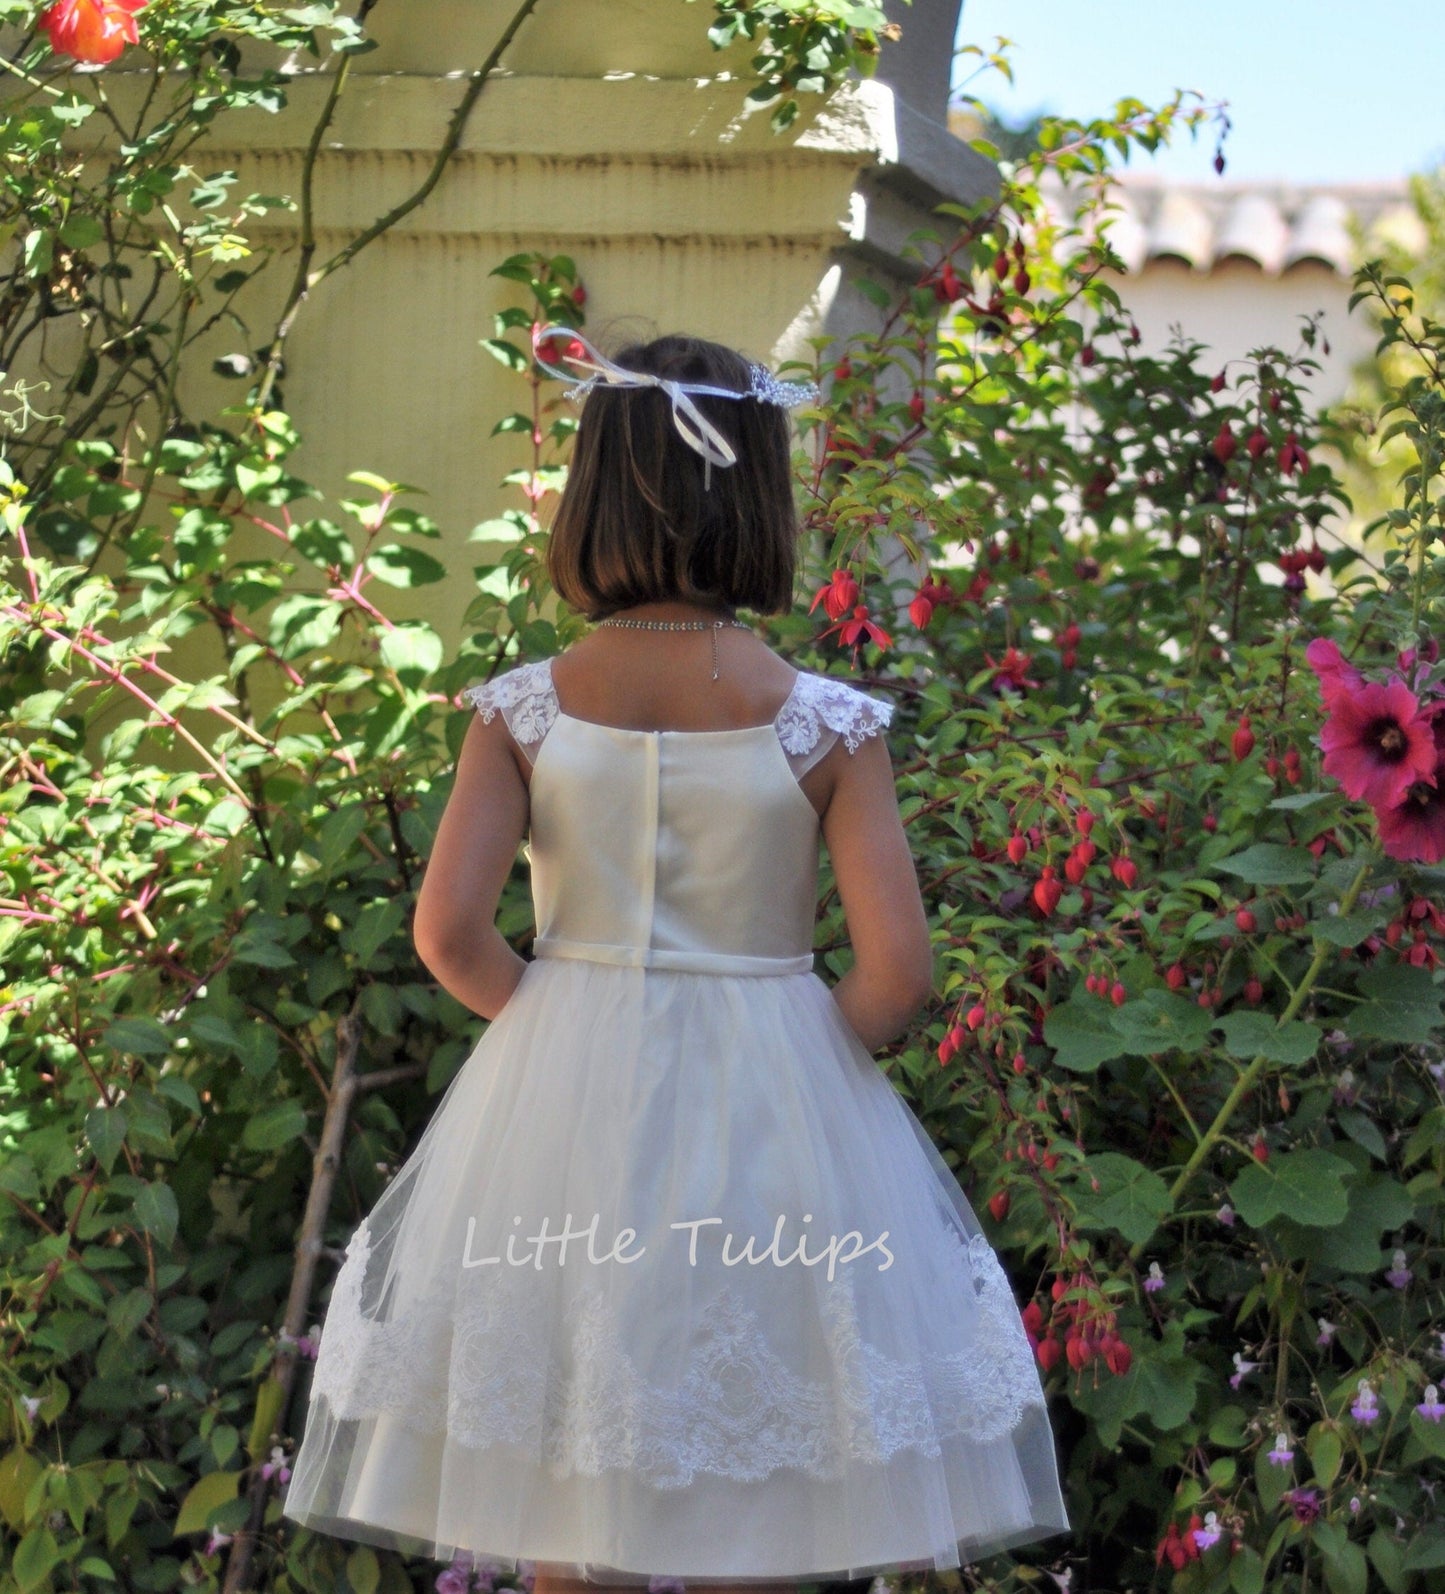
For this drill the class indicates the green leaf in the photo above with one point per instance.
(156, 1211)
(35, 1557)
(274, 1126)
(1249, 1035)
(1346, 1571)
(105, 1130)
(399, 566)
(1246, 1571)
(363, 1570)
(1426, 1551)
(1082, 1034)
(1402, 1005)
(1131, 1199)
(1325, 1452)
(1387, 1555)
(375, 925)
(138, 1034)
(207, 1494)
(1364, 1131)
(1160, 1021)
(1307, 1186)
(412, 649)
(1267, 863)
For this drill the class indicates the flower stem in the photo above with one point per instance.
(1216, 1131)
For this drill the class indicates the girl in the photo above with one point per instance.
(675, 1285)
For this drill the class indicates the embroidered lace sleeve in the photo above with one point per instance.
(525, 698)
(823, 708)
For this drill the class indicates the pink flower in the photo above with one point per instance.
(1413, 829)
(1209, 1534)
(1365, 1408)
(1377, 742)
(1305, 1503)
(1398, 1275)
(1325, 659)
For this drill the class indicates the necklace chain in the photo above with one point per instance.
(632, 623)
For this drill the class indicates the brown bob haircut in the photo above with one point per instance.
(635, 523)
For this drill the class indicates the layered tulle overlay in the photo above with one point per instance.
(775, 1344)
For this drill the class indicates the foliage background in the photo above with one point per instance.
(213, 1018)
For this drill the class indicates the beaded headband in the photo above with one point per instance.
(693, 426)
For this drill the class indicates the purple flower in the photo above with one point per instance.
(1209, 1533)
(1365, 1408)
(1305, 1503)
(1281, 1455)
(1345, 1092)
(216, 1540)
(666, 1585)
(31, 1404)
(1226, 1215)
(1354, 1505)
(1431, 1407)
(1326, 1331)
(527, 1574)
(1241, 1367)
(1398, 1275)
(455, 1579)
(276, 1465)
(1440, 1343)
(1155, 1281)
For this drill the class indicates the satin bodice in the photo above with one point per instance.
(676, 849)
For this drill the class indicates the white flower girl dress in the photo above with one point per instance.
(674, 1283)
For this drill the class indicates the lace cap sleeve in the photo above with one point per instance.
(822, 709)
(525, 698)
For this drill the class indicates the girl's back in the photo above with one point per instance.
(674, 1283)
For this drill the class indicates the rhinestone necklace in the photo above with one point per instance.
(678, 625)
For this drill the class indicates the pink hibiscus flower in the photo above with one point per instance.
(1336, 676)
(1377, 742)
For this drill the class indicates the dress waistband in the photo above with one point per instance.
(654, 957)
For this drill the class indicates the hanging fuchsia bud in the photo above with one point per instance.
(1242, 743)
(1223, 445)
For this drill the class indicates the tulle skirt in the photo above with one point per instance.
(675, 1285)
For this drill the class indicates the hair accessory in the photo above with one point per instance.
(693, 426)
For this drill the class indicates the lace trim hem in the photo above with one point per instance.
(469, 1366)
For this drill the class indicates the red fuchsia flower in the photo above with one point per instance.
(1012, 671)
(1336, 676)
(1292, 457)
(852, 631)
(95, 31)
(837, 595)
(1378, 743)
(1178, 1548)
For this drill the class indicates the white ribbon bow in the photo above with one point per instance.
(693, 426)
